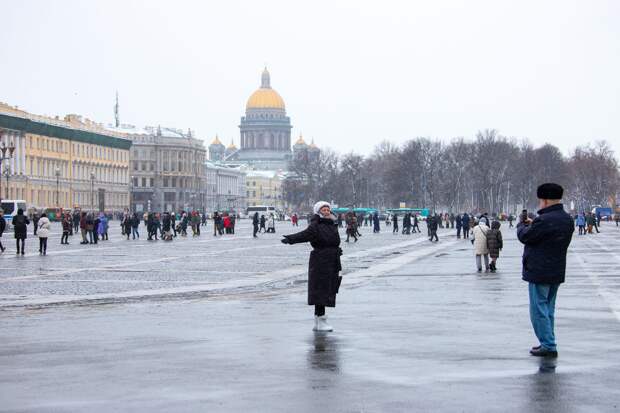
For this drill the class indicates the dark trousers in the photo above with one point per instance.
(465, 232)
(319, 310)
(23, 242)
(65, 237)
(458, 232)
(43, 245)
(255, 230)
(434, 235)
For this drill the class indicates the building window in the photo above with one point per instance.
(165, 182)
(143, 182)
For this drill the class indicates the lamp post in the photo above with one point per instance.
(130, 193)
(57, 187)
(92, 191)
(3, 149)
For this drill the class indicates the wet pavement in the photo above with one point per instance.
(206, 324)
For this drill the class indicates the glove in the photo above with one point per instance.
(285, 241)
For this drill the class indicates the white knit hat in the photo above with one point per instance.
(319, 205)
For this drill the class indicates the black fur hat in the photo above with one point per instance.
(549, 191)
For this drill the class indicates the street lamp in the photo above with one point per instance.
(92, 191)
(57, 187)
(7, 173)
(3, 149)
(130, 193)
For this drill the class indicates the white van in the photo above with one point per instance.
(10, 207)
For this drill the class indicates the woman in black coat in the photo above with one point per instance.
(20, 226)
(324, 266)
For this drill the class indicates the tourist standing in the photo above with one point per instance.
(546, 240)
(43, 233)
(255, 222)
(20, 229)
(494, 243)
(581, 223)
(2, 228)
(66, 229)
(479, 239)
(324, 267)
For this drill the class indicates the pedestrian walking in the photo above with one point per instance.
(43, 233)
(2, 228)
(263, 228)
(35, 222)
(546, 240)
(20, 229)
(580, 222)
(433, 223)
(255, 222)
(66, 229)
(459, 225)
(102, 227)
(376, 224)
(479, 240)
(494, 244)
(324, 266)
(395, 224)
(351, 221)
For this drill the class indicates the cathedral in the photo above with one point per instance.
(265, 133)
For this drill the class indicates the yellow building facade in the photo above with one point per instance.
(265, 188)
(64, 163)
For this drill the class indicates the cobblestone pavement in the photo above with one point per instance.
(220, 324)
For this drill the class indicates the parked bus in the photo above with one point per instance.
(10, 207)
(261, 209)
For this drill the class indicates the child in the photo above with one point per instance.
(494, 243)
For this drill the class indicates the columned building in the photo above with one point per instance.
(167, 169)
(225, 187)
(265, 131)
(63, 163)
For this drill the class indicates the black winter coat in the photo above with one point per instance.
(324, 265)
(20, 223)
(546, 241)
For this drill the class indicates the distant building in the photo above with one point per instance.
(167, 169)
(64, 163)
(265, 188)
(225, 188)
(265, 131)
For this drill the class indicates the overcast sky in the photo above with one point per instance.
(351, 73)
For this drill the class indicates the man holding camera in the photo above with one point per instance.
(546, 239)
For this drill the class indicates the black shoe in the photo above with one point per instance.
(479, 269)
(543, 352)
(538, 347)
(23, 252)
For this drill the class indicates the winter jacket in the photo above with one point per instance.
(44, 227)
(465, 221)
(2, 226)
(324, 265)
(581, 221)
(480, 233)
(20, 228)
(459, 221)
(494, 242)
(546, 241)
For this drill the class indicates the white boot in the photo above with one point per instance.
(321, 324)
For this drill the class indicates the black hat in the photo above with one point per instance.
(549, 191)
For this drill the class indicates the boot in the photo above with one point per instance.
(321, 324)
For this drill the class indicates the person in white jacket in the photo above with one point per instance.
(43, 232)
(479, 239)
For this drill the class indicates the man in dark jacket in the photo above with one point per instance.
(465, 222)
(255, 224)
(433, 223)
(2, 228)
(459, 225)
(546, 240)
(20, 227)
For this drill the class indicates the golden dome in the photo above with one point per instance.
(265, 97)
(216, 141)
(312, 145)
(300, 141)
(232, 146)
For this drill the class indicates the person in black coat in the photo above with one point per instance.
(255, 221)
(465, 222)
(433, 223)
(324, 266)
(546, 240)
(459, 225)
(2, 228)
(20, 227)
